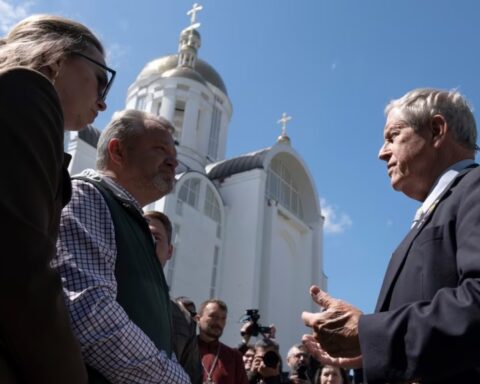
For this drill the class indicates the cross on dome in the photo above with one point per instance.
(193, 13)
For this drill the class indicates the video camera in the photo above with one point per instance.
(252, 315)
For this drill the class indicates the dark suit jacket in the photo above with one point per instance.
(427, 321)
(36, 343)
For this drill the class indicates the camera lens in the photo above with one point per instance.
(271, 359)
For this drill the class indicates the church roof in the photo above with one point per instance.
(164, 64)
(184, 72)
(90, 135)
(238, 164)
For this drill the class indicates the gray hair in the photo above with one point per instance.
(418, 106)
(298, 346)
(41, 40)
(124, 126)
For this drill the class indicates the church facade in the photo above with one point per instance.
(248, 229)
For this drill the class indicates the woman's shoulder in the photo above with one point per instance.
(24, 77)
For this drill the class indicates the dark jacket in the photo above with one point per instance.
(427, 322)
(36, 343)
(185, 343)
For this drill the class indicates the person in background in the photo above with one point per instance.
(185, 343)
(267, 363)
(221, 364)
(248, 357)
(298, 362)
(329, 374)
(53, 78)
(115, 288)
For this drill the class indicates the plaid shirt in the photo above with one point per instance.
(110, 342)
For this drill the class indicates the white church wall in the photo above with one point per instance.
(243, 195)
(191, 269)
(284, 289)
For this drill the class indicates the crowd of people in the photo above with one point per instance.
(84, 297)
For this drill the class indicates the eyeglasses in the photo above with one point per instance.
(104, 83)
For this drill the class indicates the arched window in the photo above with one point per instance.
(214, 137)
(282, 188)
(212, 208)
(189, 192)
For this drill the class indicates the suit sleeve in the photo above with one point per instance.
(434, 339)
(35, 337)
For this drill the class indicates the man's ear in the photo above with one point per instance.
(439, 129)
(116, 151)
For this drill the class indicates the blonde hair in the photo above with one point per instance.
(40, 40)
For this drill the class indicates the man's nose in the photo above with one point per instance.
(102, 106)
(172, 161)
(385, 152)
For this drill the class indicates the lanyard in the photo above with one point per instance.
(209, 373)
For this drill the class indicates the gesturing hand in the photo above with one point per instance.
(316, 351)
(336, 328)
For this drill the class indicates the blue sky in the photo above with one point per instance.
(330, 64)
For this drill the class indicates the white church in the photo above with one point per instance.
(248, 229)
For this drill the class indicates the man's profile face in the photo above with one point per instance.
(409, 156)
(151, 160)
(212, 321)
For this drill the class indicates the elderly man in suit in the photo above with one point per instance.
(426, 325)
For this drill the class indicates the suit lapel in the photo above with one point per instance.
(394, 268)
(400, 254)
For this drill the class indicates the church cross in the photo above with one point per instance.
(193, 12)
(284, 120)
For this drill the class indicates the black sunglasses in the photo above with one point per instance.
(102, 93)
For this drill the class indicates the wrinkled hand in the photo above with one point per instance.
(314, 348)
(336, 328)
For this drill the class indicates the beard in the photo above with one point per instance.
(214, 333)
(164, 185)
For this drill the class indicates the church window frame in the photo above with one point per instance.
(178, 118)
(214, 136)
(282, 187)
(141, 102)
(190, 191)
(212, 209)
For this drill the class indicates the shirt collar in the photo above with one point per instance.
(443, 181)
(119, 191)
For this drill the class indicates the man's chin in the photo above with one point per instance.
(215, 335)
(164, 187)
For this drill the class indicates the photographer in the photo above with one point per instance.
(267, 365)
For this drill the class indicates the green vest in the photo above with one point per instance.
(142, 290)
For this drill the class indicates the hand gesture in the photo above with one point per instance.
(316, 351)
(336, 328)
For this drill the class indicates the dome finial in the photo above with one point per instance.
(190, 40)
(193, 15)
(283, 138)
